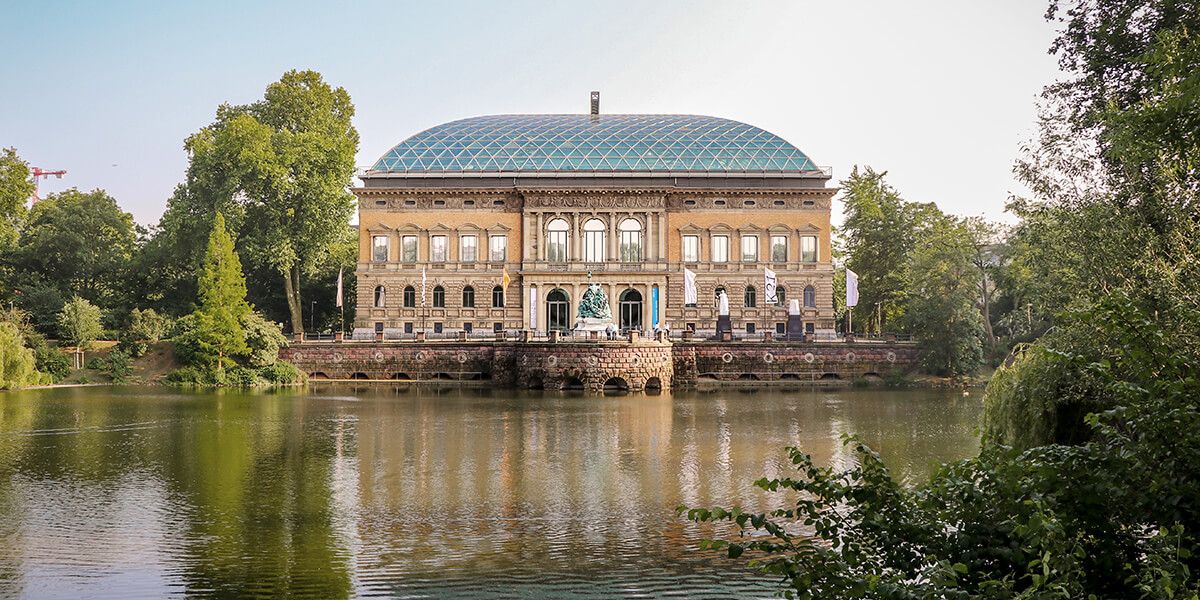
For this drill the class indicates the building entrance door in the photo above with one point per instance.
(631, 310)
(558, 310)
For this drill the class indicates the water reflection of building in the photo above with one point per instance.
(630, 199)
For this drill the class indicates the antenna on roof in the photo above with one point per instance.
(595, 103)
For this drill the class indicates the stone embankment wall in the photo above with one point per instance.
(789, 361)
(537, 365)
(595, 366)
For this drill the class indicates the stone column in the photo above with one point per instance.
(662, 235)
(612, 252)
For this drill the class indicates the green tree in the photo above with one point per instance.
(17, 363)
(223, 306)
(280, 168)
(75, 244)
(79, 326)
(16, 187)
(942, 299)
(880, 230)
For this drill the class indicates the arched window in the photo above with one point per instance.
(468, 297)
(556, 241)
(439, 297)
(780, 295)
(593, 241)
(751, 297)
(810, 297)
(631, 240)
(498, 297)
(380, 296)
(410, 297)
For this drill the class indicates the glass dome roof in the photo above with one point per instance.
(593, 144)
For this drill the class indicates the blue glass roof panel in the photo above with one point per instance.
(530, 143)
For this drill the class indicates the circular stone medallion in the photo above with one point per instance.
(378, 357)
(551, 361)
(337, 357)
(850, 357)
(808, 357)
(727, 357)
(891, 357)
(768, 358)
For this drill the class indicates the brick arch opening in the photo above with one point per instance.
(830, 376)
(616, 384)
(572, 384)
(359, 375)
(403, 376)
(653, 384)
(318, 375)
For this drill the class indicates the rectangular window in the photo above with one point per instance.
(437, 327)
(750, 328)
(779, 250)
(437, 249)
(467, 246)
(409, 245)
(808, 248)
(468, 327)
(379, 248)
(498, 248)
(408, 328)
(691, 248)
(750, 248)
(781, 328)
(556, 246)
(720, 248)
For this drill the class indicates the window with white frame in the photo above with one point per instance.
(691, 248)
(750, 248)
(593, 241)
(497, 248)
(556, 241)
(720, 248)
(779, 248)
(808, 248)
(468, 245)
(631, 240)
(379, 248)
(437, 249)
(408, 244)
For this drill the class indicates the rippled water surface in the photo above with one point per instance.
(407, 493)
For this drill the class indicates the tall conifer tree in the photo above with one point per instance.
(222, 289)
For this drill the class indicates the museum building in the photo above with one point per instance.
(501, 223)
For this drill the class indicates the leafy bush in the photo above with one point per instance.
(50, 361)
(264, 339)
(145, 327)
(185, 376)
(1115, 515)
(17, 363)
(118, 366)
(239, 376)
(281, 373)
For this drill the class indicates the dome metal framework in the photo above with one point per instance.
(594, 144)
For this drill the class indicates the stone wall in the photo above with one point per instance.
(789, 361)
(591, 366)
(596, 365)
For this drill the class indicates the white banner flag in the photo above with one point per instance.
(423, 286)
(689, 286)
(533, 309)
(851, 288)
(769, 287)
(339, 292)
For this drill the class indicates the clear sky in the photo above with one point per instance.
(938, 93)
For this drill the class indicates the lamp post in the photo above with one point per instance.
(312, 316)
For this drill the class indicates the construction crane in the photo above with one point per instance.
(39, 174)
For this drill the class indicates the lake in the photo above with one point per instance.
(373, 491)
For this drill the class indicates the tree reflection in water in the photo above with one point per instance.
(338, 492)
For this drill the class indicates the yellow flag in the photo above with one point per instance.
(504, 279)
